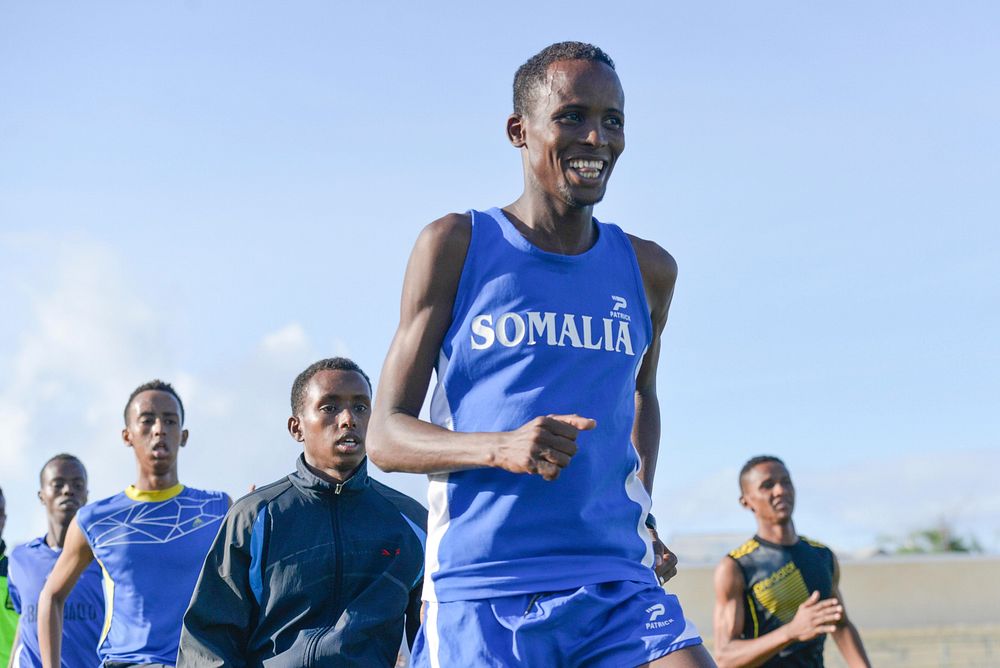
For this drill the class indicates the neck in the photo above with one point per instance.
(336, 476)
(57, 533)
(553, 226)
(781, 533)
(150, 481)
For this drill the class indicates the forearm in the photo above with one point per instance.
(646, 435)
(50, 626)
(849, 643)
(738, 653)
(398, 441)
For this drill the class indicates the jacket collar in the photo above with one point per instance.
(308, 480)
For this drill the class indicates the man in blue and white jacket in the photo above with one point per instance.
(322, 567)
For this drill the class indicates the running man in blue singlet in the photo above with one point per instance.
(150, 541)
(543, 327)
(63, 491)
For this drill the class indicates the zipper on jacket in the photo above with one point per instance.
(338, 577)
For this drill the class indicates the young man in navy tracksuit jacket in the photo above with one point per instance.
(323, 567)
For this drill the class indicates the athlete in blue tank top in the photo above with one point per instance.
(543, 326)
(63, 491)
(150, 541)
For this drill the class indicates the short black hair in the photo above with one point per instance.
(533, 72)
(158, 385)
(328, 364)
(61, 457)
(754, 461)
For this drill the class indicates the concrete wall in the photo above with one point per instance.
(912, 611)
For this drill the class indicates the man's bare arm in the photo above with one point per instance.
(811, 619)
(846, 636)
(397, 439)
(659, 274)
(76, 555)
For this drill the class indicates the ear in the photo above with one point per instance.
(184, 437)
(295, 429)
(127, 437)
(40, 499)
(516, 130)
(743, 502)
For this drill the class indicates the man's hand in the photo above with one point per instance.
(665, 561)
(814, 617)
(544, 446)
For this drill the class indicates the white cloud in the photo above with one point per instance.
(85, 337)
(289, 339)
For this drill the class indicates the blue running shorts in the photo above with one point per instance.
(607, 625)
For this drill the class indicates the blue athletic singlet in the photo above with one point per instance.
(151, 547)
(83, 612)
(536, 333)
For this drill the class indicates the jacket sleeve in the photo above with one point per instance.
(224, 608)
(413, 614)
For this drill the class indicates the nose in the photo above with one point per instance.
(346, 419)
(595, 135)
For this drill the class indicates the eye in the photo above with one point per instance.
(361, 408)
(327, 408)
(614, 122)
(570, 117)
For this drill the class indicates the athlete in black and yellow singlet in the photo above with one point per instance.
(777, 596)
(777, 580)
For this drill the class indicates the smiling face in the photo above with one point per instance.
(155, 432)
(768, 493)
(64, 490)
(573, 131)
(333, 421)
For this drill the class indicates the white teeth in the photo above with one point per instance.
(587, 164)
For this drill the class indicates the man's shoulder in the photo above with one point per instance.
(406, 505)
(29, 550)
(251, 504)
(655, 262)
(101, 507)
(747, 548)
(206, 494)
(448, 234)
(815, 546)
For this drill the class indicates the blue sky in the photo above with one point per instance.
(218, 193)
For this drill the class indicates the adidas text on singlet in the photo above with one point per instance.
(778, 579)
